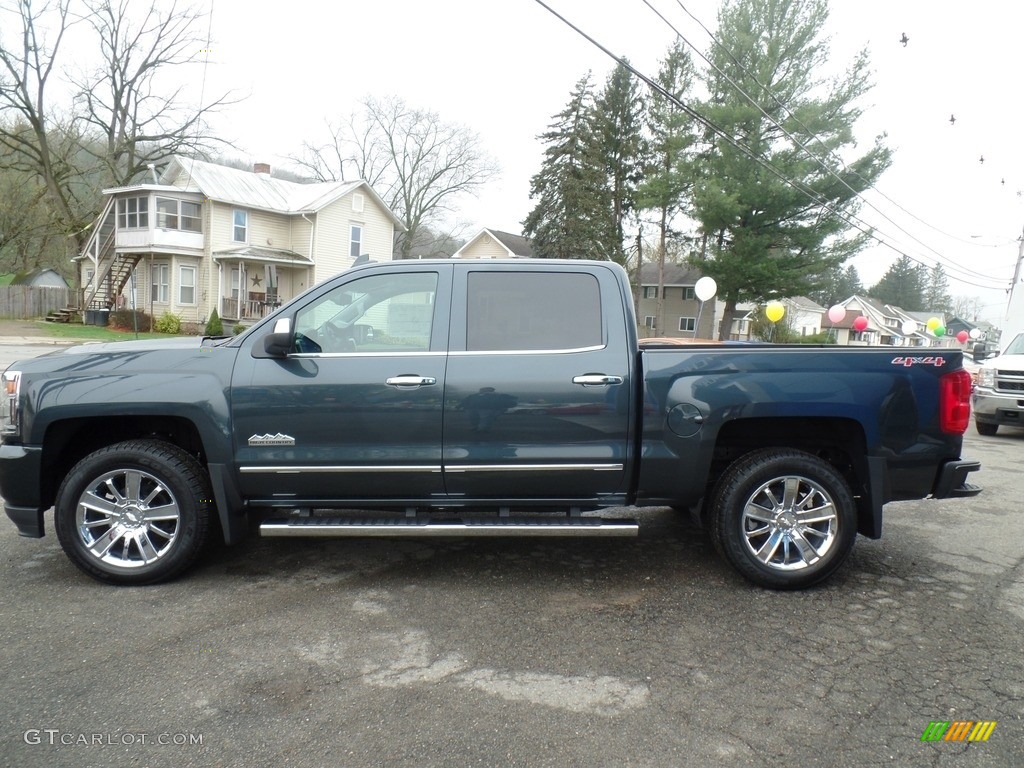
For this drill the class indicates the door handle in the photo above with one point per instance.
(410, 380)
(596, 380)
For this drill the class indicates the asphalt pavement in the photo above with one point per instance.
(642, 652)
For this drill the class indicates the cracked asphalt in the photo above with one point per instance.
(645, 652)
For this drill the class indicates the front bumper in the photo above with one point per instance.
(991, 408)
(19, 486)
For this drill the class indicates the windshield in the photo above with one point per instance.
(1016, 347)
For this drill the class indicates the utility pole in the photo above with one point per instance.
(1013, 322)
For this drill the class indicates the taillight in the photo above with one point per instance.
(955, 402)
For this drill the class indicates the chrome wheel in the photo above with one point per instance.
(789, 523)
(784, 518)
(136, 512)
(127, 518)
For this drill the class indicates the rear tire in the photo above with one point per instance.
(136, 512)
(783, 518)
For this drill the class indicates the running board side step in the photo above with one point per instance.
(343, 526)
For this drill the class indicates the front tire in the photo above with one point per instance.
(783, 518)
(985, 428)
(137, 512)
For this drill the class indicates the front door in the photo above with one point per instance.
(353, 414)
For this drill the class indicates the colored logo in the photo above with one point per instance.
(958, 730)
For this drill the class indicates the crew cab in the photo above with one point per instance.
(473, 398)
(998, 397)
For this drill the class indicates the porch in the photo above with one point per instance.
(256, 281)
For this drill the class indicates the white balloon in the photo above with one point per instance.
(975, 333)
(909, 327)
(705, 288)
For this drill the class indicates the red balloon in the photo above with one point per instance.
(860, 323)
(963, 336)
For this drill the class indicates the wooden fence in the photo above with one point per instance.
(25, 302)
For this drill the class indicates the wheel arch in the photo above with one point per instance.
(68, 441)
(840, 442)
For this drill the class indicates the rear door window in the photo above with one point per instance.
(532, 311)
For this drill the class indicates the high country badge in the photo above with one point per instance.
(278, 439)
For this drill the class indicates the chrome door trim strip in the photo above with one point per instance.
(467, 353)
(533, 467)
(292, 470)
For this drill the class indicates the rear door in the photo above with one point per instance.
(537, 395)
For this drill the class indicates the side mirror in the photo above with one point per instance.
(280, 341)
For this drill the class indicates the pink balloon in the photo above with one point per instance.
(860, 323)
(836, 313)
(963, 336)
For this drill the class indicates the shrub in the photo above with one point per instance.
(214, 327)
(130, 320)
(168, 323)
(238, 328)
(192, 329)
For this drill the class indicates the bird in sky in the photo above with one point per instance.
(904, 39)
(981, 159)
(952, 119)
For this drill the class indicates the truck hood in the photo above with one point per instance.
(1015, 362)
(148, 354)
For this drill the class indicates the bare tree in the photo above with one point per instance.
(130, 100)
(417, 163)
(126, 115)
(34, 134)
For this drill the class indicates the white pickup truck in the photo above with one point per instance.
(999, 389)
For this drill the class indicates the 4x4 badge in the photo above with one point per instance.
(277, 439)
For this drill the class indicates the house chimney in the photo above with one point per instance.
(261, 168)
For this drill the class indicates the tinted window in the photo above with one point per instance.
(532, 311)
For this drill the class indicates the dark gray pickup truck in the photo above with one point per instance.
(472, 398)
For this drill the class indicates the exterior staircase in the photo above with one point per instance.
(112, 269)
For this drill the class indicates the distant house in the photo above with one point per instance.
(803, 316)
(680, 306)
(202, 237)
(492, 244)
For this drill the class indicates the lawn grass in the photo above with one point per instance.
(78, 332)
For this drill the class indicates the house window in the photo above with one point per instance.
(688, 294)
(688, 324)
(355, 241)
(186, 285)
(236, 281)
(240, 228)
(357, 203)
(650, 292)
(177, 214)
(166, 213)
(161, 280)
(649, 321)
(133, 213)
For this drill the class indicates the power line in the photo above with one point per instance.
(809, 131)
(746, 151)
(828, 169)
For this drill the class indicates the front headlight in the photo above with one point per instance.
(987, 378)
(10, 416)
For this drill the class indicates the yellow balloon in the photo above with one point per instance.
(774, 311)
(933, 323)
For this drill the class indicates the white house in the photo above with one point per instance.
(201, 237)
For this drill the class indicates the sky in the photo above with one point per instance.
(504, 69)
